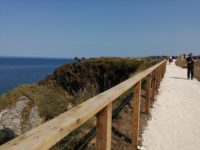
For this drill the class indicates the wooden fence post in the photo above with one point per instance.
(160, 74)
(136, 115)
(158, 78)
(153, 85)
(148, 94)
(156, 82)
(162, 70)
(104, 131)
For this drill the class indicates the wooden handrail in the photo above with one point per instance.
(48, 134)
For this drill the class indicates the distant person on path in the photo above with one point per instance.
(190, 66)
(170, 59)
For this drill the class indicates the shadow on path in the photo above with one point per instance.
(179, 78)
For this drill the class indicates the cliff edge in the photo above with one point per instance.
(28, 106)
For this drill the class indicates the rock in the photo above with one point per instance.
(13, 118)
(69, 106)
(6, 135)
(33, 119)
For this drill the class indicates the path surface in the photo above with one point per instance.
(175, 122)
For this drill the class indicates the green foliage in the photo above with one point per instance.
(51, 101)
(101, 73)
(73, 84)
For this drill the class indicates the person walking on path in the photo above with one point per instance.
(190, 66)
(170, 59)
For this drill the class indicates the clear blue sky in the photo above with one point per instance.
(91, 28)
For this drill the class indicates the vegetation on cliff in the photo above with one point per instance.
(100, 74)
(70, 85)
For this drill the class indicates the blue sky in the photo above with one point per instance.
(92, 28)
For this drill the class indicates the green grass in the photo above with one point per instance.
(51, 101)
(74, 84)
(93, 76)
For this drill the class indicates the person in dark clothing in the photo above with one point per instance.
(190, 66)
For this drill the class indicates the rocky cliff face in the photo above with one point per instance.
(21, 117)
(27, 106)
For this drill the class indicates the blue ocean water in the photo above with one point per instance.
(16, 71)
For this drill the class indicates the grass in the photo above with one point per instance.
(51, 101)
(76, 135)
(181, 63)
(73, 84)
(94, 76)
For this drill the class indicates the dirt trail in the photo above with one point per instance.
(175, 122)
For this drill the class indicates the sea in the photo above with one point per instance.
(15, 70)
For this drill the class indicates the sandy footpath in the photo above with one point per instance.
(175, 122)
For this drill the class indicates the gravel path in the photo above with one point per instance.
(175, 122)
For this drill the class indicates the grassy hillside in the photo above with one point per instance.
(72, 84)
(51, 101)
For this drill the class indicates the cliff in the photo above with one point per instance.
(27, 106)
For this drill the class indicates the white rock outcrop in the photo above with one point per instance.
(13, 118)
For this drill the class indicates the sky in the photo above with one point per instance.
(94, 28)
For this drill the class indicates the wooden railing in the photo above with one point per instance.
(48, 134)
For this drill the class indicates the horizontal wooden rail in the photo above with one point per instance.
(48, 134)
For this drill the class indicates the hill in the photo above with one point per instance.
(28, 106)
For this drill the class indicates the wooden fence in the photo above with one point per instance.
(197, 69)
(48, 134)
